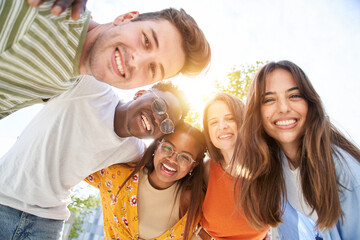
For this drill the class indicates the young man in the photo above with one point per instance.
(41, 55)
(77, 133)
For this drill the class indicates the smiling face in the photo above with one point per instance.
(283, 110)
(139, 120)
(222, 127)
(166, 169)
(132, 54)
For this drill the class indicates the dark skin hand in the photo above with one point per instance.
(59, 6)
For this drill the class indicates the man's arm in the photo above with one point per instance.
(59, 6)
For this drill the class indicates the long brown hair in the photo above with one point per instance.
(236, 107)
(193, 183)
(262, 191)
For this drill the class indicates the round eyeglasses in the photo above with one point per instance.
(167, 150)
(159, 107)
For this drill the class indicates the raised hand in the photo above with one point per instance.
(59, 6)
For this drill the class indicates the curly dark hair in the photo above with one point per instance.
(168, 86)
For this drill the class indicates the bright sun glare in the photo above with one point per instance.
(197, 91)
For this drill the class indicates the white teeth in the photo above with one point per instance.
(146, 123)
(118, 62)
(225, 136)
(169, 168)
(285, 122)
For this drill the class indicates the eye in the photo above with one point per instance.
(230, 119)
(213, 123)
(296, 96)
(152, 70)
(184, 157)
(268, 100)
(159, 106)
(167, 148)
(146, 41)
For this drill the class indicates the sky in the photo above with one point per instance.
(321, 36)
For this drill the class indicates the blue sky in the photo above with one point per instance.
(321, 36)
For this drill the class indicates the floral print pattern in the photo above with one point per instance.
(133, 201)
(120, 207)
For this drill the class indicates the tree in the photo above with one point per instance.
(237, 83)
(80, 208)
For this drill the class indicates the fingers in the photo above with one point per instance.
(35, 3)
(78, 8)
(60, 6)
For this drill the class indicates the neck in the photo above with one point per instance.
(291, 152)
(227, 154)
(120, 121)
(226, 163)
(155, 183)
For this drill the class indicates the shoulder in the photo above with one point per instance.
(88, 83)
(117, 171)
(134, 148)
(347, 167)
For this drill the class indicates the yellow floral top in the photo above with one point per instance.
(120, 214)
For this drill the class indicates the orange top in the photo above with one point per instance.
(220, 217)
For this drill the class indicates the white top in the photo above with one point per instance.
(294, 190)
(71, 137)
(156, 209)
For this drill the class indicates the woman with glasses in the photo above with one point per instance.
(151, 198)
(222, 118)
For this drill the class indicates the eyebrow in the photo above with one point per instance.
(154, 36)
(289, 90)
(175, 147)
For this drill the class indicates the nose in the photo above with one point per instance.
(141, 59)
(283, 105)
(223, 124)
(173, 157)
(158, 119)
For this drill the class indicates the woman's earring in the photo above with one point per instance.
(153, 154)
(190, 173)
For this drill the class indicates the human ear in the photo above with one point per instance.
(125, 18)
(139, 93)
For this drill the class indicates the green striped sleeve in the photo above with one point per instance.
(39, 53)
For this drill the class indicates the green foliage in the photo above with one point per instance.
(81, 208)
(237, 83)
(239, 80)
(194, 118)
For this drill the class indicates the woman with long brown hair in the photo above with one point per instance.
(158, 197)
(222, 119)
(294, 160)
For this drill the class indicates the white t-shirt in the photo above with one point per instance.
(294, 190)
(71, 137)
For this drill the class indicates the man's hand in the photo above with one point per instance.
(78, 6)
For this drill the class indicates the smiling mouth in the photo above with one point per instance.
(285, 122)
(225, 136)
(145, 122)
(167, 169)
(118, 62)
